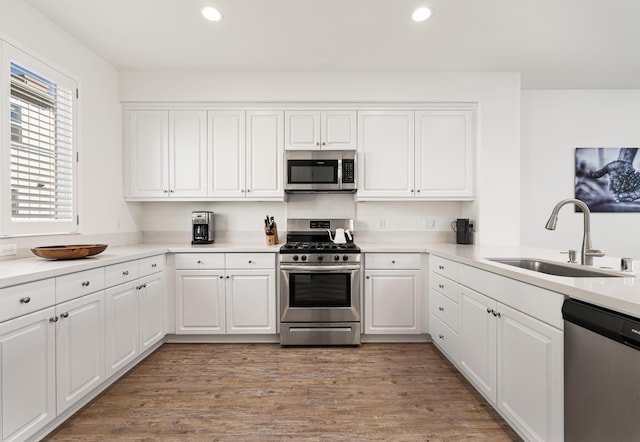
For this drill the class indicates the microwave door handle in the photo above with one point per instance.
(339, 171)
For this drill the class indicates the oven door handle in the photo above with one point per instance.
(325, 269)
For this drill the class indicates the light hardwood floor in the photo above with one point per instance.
(262, 392)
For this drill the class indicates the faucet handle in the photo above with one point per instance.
(572, 256)
(594, 252)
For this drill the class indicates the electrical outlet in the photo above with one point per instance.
(381, 223)
(8, 249)
(429, 223)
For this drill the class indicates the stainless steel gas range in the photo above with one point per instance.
(320, 283)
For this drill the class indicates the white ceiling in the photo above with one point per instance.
(553, 43)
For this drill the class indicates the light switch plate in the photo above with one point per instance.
(8, 249)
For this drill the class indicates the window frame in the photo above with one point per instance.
(10, 227)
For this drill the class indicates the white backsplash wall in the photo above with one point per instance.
(243, 220)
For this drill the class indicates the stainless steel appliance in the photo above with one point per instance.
(319, 285)
(203, 227)
(320, 171)
(601, 374)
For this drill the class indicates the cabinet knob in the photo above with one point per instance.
(248, 190)
(441, 309)
(411, 190)
(241, 190)
(393, 261)
(153, 266)
(441, 336)
(368, 277)
(489, 310)
(441, 267)
(54, 319)
(171, 191)
(440, 286)
(317, 143)
(125, 273)
(198, 262)
(221, 277)
(250, 261)
(25, 300)
(64, 315)
(227, 277)
(418, 190)
(324, 144)
(85, 283)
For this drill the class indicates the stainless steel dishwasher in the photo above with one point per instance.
(601, 374)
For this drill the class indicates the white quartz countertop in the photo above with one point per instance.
(616, 293)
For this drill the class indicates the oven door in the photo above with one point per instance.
(310, 293)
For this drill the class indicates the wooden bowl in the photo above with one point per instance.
(73, 251)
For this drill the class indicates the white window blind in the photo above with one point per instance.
(41, 148)
(40, 161)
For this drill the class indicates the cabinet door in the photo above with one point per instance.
(445, 154)
(80, 348)
(530, 375)
(146, 140)
(151, 298)
(251, 301)
(386, 154)
(477, 341)
(338, 130)
(226, 146)
(200, 302)
(27, 369)
(265, 155)
(302, 130)
(391, 301)
(122, 326)
(188, 153)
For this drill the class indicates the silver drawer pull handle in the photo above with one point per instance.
(441, 286)
(64, 315)
(125, 273)
(85, 283)
(25, 300)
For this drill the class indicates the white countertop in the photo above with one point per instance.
(617, 293)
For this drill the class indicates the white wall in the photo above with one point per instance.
(554, 123)
(101, 206)
(498, 95)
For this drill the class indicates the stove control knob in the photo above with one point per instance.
(320, 258)
(345, 258)
(295, 257)
(303, 257)
(336, 258)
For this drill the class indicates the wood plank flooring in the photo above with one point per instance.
(262, 392)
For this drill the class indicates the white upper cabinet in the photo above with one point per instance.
(385, 155)
(320, 130)
(265, 155)
(166, 153)
(226, 140)
(445, 154)
(417, 154)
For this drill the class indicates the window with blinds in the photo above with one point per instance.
(40, 163)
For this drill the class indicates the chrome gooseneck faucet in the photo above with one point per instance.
(586, 253)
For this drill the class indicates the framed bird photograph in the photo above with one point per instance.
(607, 179)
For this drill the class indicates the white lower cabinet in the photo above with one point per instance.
(232, 293)
(27, 367)
(392, 293)
(151, 297)
(514, 359)
(123, 326)
(80, 348)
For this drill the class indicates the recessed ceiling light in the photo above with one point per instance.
(211, 13)
(421, 14)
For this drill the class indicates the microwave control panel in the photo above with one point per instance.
(348, 171)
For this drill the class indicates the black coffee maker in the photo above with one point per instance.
(202, 223)
(464, 231)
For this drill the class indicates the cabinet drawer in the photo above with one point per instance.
(187, 261)
(150, 265)
(444, 338)
(444, 267)
(250, 261)
(445, 286)
(21, 299)
(405, 261)
(444, 309)
(79, 284)
(121, 273)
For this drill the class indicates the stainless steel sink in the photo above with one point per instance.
(557, 269)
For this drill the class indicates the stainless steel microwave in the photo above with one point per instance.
(320, 171)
